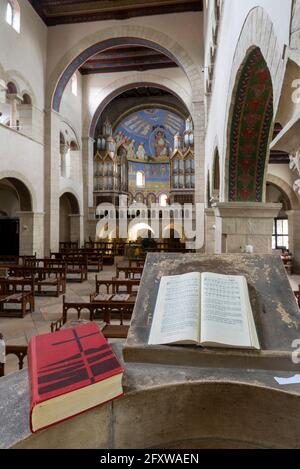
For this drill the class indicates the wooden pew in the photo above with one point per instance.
(44, 277)
(129, 272)
(105, 310)
(68, 245)
(15, 260)
(16, 292)
(110, 331)
(19, 350)
(115, 286)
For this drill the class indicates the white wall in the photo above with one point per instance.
(9, 202)
(283, 172)
(234, 14)
(23, 159)
(71, 106)
(23, 55)
(185, 28)
(23, 61)
(98, 87)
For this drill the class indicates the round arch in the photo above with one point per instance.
(23, 188)
(250, 38)
(69, 217)
(11, 87)
(110, 37)
(177, 231)
(137, 228)
(286, 189)
(249, 129)
(73, 201)
(121, 86)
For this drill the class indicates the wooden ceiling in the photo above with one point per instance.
(55, 12)
(126, 58)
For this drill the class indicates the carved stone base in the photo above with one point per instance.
(239, 224)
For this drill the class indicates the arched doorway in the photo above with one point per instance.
(249, 131)
(69, 218)
(281, 231)
(14, 199)
(102, 41)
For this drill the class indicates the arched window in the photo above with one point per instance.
(13, 14)
(74, 84)
(27, 99)
(9, 14)
(163, 200)
(140, 179)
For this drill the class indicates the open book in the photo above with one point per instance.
(205, 309)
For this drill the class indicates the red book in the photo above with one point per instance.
(71, 371)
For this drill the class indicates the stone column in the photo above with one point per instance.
(88, 180)
(52, 178)
(63, 150)
(294, 239)
(31, 233)
(198, 116)
(76, 229)
(25, 117)
(14, 100)
(244, 223)
(3, 90)
(210, 228)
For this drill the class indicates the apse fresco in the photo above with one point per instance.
(148, 134)
(157, 176)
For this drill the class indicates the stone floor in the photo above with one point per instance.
(19, 331)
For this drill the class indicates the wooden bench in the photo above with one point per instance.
(20, 351)
(44, 277)
(106, 310)
(15, 260)
(115, 286)
(16, 292)
(107, 248)
(129, 272)
(76, 266)
(94, 257)
(68, 245)
(110, 331)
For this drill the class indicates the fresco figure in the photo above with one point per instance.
(131, 150)
(161, 145)
(141, 153)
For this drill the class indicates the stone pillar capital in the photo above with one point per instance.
(246, 210)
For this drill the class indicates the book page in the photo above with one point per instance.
(225, 311)
(176, 317)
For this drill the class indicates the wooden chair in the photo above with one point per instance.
(16, 292)
(19, 350)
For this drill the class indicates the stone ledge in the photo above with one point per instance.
(241, 408)
(246, 210)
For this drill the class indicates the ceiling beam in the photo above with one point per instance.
(53, 13)
(127, 68)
